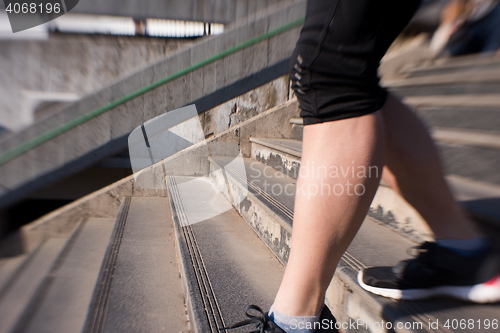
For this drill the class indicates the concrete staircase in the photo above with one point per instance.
(109, 275)
(463, 118)
(162, 261)
(191, 257)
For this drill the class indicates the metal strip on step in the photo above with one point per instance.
(211, 306)
(95, 323)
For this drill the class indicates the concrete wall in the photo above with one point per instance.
(68, 66)
(220, 11)
(207, 87)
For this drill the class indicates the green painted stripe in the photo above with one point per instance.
(21, 149)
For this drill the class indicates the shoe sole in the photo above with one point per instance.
(488, 292)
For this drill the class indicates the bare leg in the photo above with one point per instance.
(415, 172)
(325, 223)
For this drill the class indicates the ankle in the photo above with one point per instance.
(292, 307)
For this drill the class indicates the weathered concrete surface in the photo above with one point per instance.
(283, 156)
(104, 135)
(67, 65)
(274, 123)
(244, 107)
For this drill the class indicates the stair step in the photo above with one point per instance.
(297, 128)
(225, 266)
(270, 214)
(387, 206)
(467, 137)
(474, 112)
(19, 294)
(454, 64)
(10, 267)
(457, 117)
(292, 147)
(476, 163)
(482, 200)
(472, 101)
(455, 83)
(68, 290)
(140, 288)
(447, 134)
(288, 161)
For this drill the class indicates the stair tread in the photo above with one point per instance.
(375, 245)
(458, 117)
(289, 146)
(9, 267)
(472, 162)
(146, 292)
(452, 78)
(467, 137)
(65, 306)
(479, 200)
(16, 299)
(452, 63)
(241, 270)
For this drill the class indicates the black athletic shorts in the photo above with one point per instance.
(334, 65)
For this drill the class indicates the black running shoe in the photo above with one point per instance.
(264, 324)
(438, 271)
